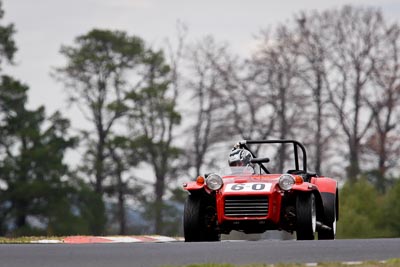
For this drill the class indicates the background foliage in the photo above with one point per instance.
(159, 116)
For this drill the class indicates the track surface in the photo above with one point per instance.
(180, 253)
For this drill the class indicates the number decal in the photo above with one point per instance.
(237, 187)
(258, 187)
(248, 187)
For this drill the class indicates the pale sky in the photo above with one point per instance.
(44, 25)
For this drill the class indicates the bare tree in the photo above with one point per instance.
(276, 72)
(122, 156)
(326, 79)
(249, 112)
(225, 100)
(312, 51)
(207, 104)
(355, 33)
(384, 101)
(153, 113)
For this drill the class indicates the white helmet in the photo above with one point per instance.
(240, 157)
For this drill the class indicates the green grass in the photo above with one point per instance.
(388, 263)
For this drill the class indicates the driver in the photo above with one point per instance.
(239, 157)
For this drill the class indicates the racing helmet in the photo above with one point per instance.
(240, 157)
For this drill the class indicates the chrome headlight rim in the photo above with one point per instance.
(286, 182)
(214, 181)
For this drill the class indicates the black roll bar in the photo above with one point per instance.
(295, 143)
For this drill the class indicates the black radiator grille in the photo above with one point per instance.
(246, 206)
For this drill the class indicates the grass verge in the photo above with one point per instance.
(27, 239)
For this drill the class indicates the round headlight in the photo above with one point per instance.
(214, 181)
(286, 182)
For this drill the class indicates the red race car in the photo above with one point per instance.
(251, 199)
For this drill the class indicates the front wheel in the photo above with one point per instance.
(199, 221)
(306, 216)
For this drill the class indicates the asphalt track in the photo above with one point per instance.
(180, 253)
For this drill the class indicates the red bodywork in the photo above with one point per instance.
(250, 186)
(254, 203)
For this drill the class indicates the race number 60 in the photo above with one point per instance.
(248, 187)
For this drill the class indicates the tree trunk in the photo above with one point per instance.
(283, 124)
(381, 180)
(121, 203)
(353, 169)
(159, 190)
(20, 219)
(99, 165)
(318, 134)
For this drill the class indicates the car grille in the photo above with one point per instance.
(246, 206)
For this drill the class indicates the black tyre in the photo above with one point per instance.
(199, 221)
(328, 234)
(306, 216)
(330, 220)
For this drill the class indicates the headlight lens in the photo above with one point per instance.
(286, 182)
(214, 181)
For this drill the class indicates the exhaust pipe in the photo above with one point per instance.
(321, 226)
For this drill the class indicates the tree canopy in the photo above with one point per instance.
(330, 79)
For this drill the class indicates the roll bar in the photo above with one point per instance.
(296, 145)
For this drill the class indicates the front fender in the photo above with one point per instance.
(304, 187)
(329, 195)
(195, 187)
(190, 186)
(325, 185)
(309, 188)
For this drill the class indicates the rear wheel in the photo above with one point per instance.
(331, 218)
(306, 216)
(328, 234)
(199, 221)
